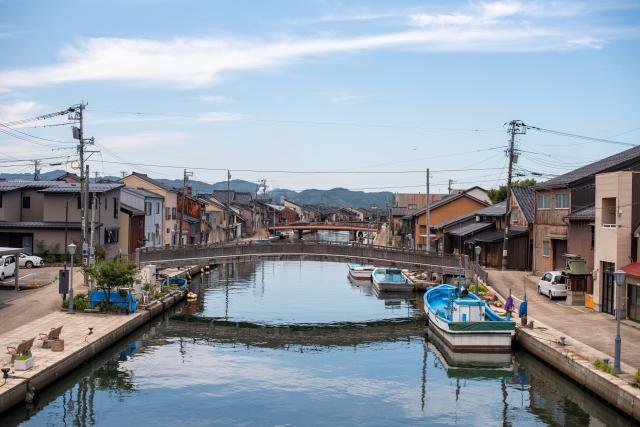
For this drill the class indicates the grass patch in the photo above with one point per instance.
(605, 367)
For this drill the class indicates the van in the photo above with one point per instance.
(7, 266)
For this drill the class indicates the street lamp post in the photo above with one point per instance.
(72, 251)
(478, 249)
(620, 277)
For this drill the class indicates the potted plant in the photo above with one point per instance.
(110, 276)
(23, 362)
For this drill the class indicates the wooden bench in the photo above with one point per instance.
(52, 335)
(23, 348)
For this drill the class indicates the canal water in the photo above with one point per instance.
(273, 344)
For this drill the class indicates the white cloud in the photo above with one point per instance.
(201, 62)
(18, 110)
(213, 98)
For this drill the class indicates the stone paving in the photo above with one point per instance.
(75, 333)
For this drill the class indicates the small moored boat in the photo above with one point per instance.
(360, 272)
(391, 280)
(465, 322)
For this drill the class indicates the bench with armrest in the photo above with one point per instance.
(23, 348)
(49, 337)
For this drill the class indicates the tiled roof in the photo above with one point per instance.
(39, 224)
(448, 199)
(526, 200)
(399, 211)
(465, 230)
(498, 235)
(619, 161)
(131, 210)
(498, 209)
(632, 269)
(586, 214)
(75, 188)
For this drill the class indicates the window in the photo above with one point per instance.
(167, 213)
(26, 202)
(158, 208)
(168, 229)
(514, 216)
(0, 200)
(412, 206)
(115, 208)
(111, 235)
(562, 201)
(79, 201)
(609, 212)
(147, 208)
(173, 213)
(544, 201)
(545, 248)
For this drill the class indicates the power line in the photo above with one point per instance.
(583, 137)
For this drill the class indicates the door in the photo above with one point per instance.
(608, 287)
(633, 303)
(559, 251)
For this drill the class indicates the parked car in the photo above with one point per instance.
(552, 284)
(7, 266)
(30, 261)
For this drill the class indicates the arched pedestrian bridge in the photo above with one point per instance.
(296, 250)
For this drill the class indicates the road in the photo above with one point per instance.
(592, 328)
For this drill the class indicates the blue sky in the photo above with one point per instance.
(324, 86)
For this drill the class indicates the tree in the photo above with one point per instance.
(499, 194)
(112, 275)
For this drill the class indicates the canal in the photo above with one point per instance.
(296, 343)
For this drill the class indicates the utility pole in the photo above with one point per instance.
(450, 186)
(427, 211)
(185, 178)
(36, 170)
(516, 127)
(228, 203)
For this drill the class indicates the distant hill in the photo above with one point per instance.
(340, 197)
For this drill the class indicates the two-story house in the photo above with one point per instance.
(40, 216)
(560, 201)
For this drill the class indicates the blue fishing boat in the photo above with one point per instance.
(390, 280)
(465, 322)
(178, 281)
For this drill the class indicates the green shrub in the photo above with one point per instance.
(23, 357)
(604, 367)
(478, 288)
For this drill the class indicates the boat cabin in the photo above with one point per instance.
(468, 310)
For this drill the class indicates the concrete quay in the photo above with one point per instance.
(574, 358)
(80, 345)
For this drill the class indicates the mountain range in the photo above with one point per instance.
(339, 197)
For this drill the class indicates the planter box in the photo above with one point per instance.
(23, 365)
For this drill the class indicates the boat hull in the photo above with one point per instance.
(475, 342)
(360, 275)
(391, 286)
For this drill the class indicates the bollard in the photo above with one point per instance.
(562, 341)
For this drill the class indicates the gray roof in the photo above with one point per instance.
(142, 192)
(465, 230)
(55, 186)
(498, 209)
(585, 214)
(399, 211)
(498, 235)
(626, 159)
(526, 200)
(131, 210)
(39, 224)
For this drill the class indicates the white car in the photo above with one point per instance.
(30, 261)
(7, 266)
(552, 284)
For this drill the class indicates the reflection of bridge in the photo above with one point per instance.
(274, 336)
(323, 251)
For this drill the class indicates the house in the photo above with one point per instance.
(190, 218)
(153, 206)
(558, 203)
(216, 219)
(131, 222)
(40, 216)
(523, 212)
(297, 208)
(69, 177)
(617, 222)
(445, 209)
(170, 197)
(477, 192)
(415, 201)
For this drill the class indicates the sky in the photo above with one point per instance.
(361, 95)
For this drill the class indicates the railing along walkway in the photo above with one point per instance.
(367, 253)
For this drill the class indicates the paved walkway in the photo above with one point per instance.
(594, 329)
(19, 308)
(75, 333)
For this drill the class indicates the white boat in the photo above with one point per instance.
(360, 272)
(465, 322)
(390, 280)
